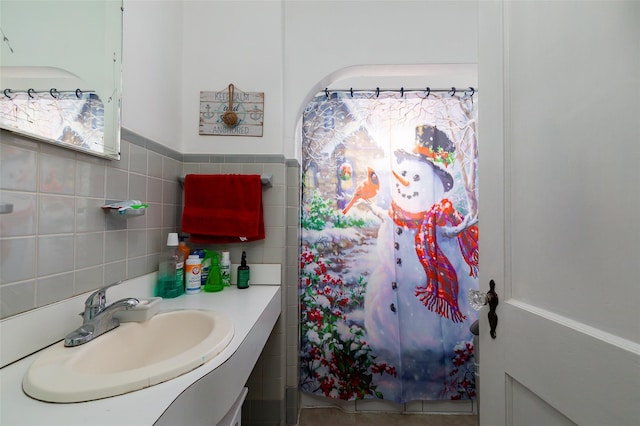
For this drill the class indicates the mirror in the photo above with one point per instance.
(60, 72)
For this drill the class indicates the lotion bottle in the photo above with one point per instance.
(225, 269)
(244, 278)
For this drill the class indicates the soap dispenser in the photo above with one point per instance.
(243, 272)
(214, 280)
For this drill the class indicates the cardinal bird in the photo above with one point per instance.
(365, 190)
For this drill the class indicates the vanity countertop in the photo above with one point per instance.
(254, 312)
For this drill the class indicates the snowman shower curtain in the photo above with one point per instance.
(389, 245)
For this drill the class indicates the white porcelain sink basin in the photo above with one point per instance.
(131, 357)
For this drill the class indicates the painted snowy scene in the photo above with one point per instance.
(389, 246)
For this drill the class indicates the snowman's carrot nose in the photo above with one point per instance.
(402, 180)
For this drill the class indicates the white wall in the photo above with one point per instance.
(235, 42)
(323, 37)
(151, 70)
(286, 49)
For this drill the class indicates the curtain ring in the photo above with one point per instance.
(7, 93)
(466, 92)
(326, 92)
(428, 91)
(402, 92)
(377, 92)
(52, 91)
(351, 90)
(29, 92)
(78, 93)
(452, 92)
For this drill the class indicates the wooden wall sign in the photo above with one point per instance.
(248, 106)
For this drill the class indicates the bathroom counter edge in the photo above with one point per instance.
(254, 312)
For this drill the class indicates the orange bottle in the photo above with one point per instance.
(184, 249)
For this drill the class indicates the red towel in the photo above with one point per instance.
(222, 209)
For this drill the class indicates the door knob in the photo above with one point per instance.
(478, 299)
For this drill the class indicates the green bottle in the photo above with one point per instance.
(243, 272)
(214, 280)
(170, 270)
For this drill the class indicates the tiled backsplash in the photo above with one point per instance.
(58, 242)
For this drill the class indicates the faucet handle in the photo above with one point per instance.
(97, 301)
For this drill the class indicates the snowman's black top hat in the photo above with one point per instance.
(434, 147)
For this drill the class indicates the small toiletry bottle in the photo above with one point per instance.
(243, 272)
(170, 270)
(193, 274)
(184, 249)
(214, 281)
(225, 269)
(205, 258)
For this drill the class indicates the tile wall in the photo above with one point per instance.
(276, 370)
(58, 242)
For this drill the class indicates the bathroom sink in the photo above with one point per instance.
(131, 357)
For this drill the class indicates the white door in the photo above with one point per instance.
(559, 135)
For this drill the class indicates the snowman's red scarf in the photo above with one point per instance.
(440, 294)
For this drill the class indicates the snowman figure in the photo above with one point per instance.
(416, 307)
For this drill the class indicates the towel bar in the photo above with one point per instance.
(266, 179)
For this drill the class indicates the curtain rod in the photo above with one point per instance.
(53, 92)
(452, 90)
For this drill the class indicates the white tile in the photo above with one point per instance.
(154, 164)
(18, 259)
(55, 254)
(117, 184)
(57, 174)
(274, 216)
(54, 288)
(136, 266)
(88, 279)
(90, 179)
(116, 271)
(170, 169)
(136, 243)
(18, 168)
(89, 249)
(210, 168)
(115, 245)
(273, 196)
(22, 220)
(16, 298)
(154, 190)
(137, 187)
(89, 214)
(137, 159)
(56, 214)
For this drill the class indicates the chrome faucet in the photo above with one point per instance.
(98, 317)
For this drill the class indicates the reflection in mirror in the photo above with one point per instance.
(60, 72)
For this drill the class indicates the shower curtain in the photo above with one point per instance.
(389, 245)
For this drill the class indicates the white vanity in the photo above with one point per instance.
(202, 396)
